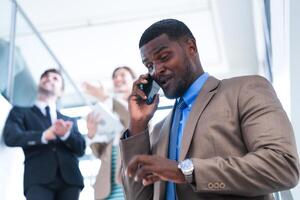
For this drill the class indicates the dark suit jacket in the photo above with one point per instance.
(240, 141)
(24, 128)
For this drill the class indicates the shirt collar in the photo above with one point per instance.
(191, 94)
(42, 105)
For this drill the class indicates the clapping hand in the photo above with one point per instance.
(92, 121)
(61, 127)
(96, 91)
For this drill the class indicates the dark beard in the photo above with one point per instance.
(183, 83)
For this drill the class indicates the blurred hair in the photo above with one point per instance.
(173, 28)
(56, 71)
(126, 68)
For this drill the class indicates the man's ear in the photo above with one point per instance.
(192, 46)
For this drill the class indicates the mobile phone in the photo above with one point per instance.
(150, 89)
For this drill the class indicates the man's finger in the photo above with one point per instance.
(59, 121)
(138, 161)
(143, 172)
(136, 90)
(150, 180)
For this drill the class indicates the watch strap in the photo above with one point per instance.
(189, 178)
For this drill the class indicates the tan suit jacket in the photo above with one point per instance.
(103, 151)
(240, 141)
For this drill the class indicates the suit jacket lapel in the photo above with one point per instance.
(207, 92)
(36, 110)
(162, 150)
(41, 116)
(122, 111)
(163, 141)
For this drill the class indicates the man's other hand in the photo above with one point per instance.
(49, 134)
(152, 168)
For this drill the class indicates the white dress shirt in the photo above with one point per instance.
(53, 115)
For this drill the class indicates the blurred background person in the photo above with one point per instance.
(108, 181)
(51, 143)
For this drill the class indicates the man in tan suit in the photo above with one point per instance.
(233, 139)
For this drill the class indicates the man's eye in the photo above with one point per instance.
(164, 57)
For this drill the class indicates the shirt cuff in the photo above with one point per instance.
(66, 136)
(127, 135)
(43, 139)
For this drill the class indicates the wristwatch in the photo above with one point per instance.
(187, 168)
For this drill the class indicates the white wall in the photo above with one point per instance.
(294, 60)
(286, 48)
(11, 159)
(236, 29)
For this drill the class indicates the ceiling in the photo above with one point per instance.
(91, 37)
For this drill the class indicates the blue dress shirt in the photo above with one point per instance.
(189, 98)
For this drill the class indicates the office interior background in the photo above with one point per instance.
(87, 39)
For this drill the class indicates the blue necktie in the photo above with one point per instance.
(48, 116)
(173, 144)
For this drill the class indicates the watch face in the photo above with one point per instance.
(187, 166)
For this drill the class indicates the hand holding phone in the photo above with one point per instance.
(142, 103)
(150, 89)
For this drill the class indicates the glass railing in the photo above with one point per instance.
(5, 17)
(29, 58)
(24, 56)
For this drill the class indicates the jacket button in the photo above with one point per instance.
(216, 185)
(53, 149)
(210, 185)
(222, 185)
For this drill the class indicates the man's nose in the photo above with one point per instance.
(158, 69)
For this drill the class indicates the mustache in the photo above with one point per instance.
(163, 79)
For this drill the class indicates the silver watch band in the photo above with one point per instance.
(189, 178)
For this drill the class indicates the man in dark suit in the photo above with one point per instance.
(225, 139)
(51, 143)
